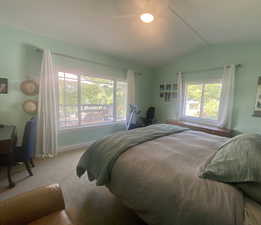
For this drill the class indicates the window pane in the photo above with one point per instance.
(193, 99)
(61, 100)
(68, 99)
(211, 101)
(121, 100)
(71, 90)
(96, 100)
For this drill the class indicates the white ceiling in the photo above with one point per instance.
(113, 26)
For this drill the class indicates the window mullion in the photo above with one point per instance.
(202, 100)
(79, 100)
(64, 101)
(114, 100)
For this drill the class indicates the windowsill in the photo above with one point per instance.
(205, 128)
(104, 124)
(200, 121)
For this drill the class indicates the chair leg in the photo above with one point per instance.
(32, 162)
(28, 168)
(11, 183)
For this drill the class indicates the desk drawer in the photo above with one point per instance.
(6, 146)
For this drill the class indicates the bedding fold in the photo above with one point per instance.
(100, 157)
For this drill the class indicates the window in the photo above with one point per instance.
(202, 101)
(86, 100)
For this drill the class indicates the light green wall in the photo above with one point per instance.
(249, 55)
(19, 61)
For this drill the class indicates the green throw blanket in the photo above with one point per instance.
(100, 157)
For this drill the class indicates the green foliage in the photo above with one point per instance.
(96, 91)
(194, 91)
(96, 94)
(211, 99)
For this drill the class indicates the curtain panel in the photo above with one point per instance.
(227, 97)
(131, 98)
(180, 96)
(47, 108)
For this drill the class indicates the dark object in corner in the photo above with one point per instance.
(149, 119)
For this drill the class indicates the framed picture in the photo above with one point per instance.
(162, 87)
(3, 85)
(257, 111)
(168, 87)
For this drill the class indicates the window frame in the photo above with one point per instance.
(98, 124)
(200, 120)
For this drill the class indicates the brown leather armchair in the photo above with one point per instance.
(41, 206)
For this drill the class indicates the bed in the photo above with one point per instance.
(158, 179)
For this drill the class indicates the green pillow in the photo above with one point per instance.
(238, 160)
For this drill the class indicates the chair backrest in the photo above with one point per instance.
(150, 113)
(29, 138)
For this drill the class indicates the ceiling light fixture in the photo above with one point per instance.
(146, 17)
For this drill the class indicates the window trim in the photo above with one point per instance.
(98, 124)
(199, 120)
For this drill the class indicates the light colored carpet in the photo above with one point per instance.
(86, 203)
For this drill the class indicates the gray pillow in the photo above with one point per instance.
(252, 190)
(238, 160)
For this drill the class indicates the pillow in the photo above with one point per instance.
(237, 160)
(252, 190)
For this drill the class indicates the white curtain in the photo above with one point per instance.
(180, 96)
(47, 108)
(131, 87)
(131, 117)
(227, 97)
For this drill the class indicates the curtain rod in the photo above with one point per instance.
(88, 60)
(210, 69)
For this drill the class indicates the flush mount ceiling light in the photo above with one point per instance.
(146, 17)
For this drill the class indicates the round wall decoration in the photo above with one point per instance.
(30, 106)
(29, 87)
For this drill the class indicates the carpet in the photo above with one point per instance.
(86, 203)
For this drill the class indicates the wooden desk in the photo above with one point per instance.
(8, 140)
(204, 128)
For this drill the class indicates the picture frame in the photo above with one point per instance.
(3, 86)
(168, 91)
(162, 87)
(257, 110)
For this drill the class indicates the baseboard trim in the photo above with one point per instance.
(69, 148)
(74, 147)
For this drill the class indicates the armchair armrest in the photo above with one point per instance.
(27, 207)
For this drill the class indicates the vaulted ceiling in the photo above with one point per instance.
(113, 26)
